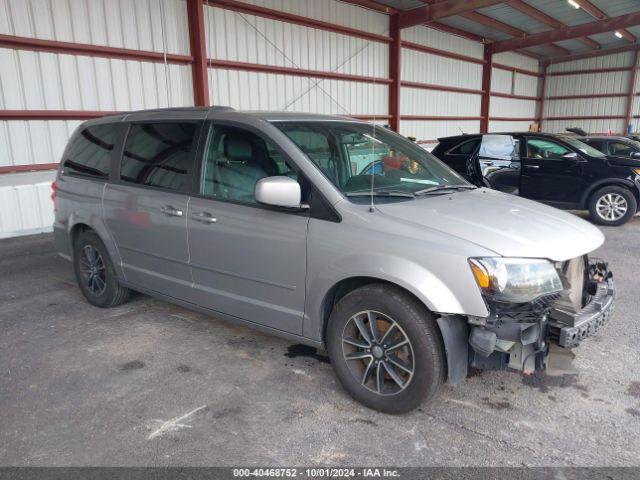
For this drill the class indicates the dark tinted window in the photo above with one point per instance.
(621, 149)
(597, 144)
(90, 151)
(465, 148)
(160, 155)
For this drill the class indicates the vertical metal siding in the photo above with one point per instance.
(516, 60)
(431, 130)
(512, 107)
(429, 68)
(591, 125)
(415, 101)
(268, 91)
(509, 126)
(443, 41)
(134, 24)
(26, 206)
(247, 38)
(607, 61)
(586, 84)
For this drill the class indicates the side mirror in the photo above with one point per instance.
(570, 156)
(635, 155)
(278, 191)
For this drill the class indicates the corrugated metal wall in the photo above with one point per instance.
(264, 41)
(615, 83)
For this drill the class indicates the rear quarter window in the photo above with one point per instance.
(89, 153)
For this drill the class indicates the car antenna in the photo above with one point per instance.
(461, 131)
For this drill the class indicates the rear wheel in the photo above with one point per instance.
(385, 348)
(612, 205)
(95, 273)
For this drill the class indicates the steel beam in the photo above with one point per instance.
(197, 42)
(485, 102)
(609, 25)
(632, 87)
(443, 9)
(395, 71)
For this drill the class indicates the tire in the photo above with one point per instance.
(104, 290)
(423, 355)
(606, 203)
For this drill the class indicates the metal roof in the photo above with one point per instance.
(559, 10)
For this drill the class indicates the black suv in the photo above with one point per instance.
(555, 169)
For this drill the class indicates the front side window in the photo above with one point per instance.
(539, 148)
(160, 155)
(235, 160)
(90, 152)
(622, 149)
(358, 157)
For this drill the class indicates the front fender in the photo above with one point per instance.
(429, 288)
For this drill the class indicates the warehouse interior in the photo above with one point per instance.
(499, 66)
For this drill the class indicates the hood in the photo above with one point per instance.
(508, 225)
(623, 161)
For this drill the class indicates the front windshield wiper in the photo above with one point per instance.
(380, 193)
(440, 188)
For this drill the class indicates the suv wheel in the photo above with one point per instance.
(95, 273)
(385, 348)
(612, 205)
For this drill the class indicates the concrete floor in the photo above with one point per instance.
(149, 383)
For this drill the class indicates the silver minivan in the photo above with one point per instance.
(331, 232)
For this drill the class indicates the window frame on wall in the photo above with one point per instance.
(196, 154)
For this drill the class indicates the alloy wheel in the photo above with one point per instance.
(378, 352)
(93, 270)
(611, 207)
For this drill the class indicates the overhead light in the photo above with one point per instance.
(573, 3)
(618, 34)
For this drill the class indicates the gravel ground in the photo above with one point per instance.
(149, 383)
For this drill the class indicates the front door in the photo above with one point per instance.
(146, 209)
(247, 260)
(550, 173)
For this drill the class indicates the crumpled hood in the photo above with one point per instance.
(506, 224)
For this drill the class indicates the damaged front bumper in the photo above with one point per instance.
(518, 337)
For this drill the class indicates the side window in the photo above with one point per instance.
(465, 148)
(620, 149)
(160, 155)
(234, 162)
(90, 151)
(597, 144)
(545, 149)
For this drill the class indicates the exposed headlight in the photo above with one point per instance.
(515, 280)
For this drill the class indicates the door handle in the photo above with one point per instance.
(171, 211)
(532, 166)
(204, 217)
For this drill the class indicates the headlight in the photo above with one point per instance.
(636, 171)
(515, 280)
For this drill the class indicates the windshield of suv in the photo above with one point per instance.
(355, 160)
(583, 147)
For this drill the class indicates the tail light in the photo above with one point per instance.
(54, 193)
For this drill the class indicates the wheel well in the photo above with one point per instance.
(589, 196)
(77, 229)
(348, 285)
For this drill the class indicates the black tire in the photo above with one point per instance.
(388, 304)
(105, 293)
(599, 200)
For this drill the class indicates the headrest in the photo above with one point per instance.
(237, 148)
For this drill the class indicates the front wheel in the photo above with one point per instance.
(612, 205)
(385, 348)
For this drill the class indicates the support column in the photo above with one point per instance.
(197, 42)
(632, 88)
(395, 56)
(543, 93)
(486, 88)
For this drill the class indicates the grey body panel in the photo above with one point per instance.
(152, 244)
(249, 263)
(276, 268)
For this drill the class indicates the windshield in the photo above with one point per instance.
(583, 147)
(355, 160)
